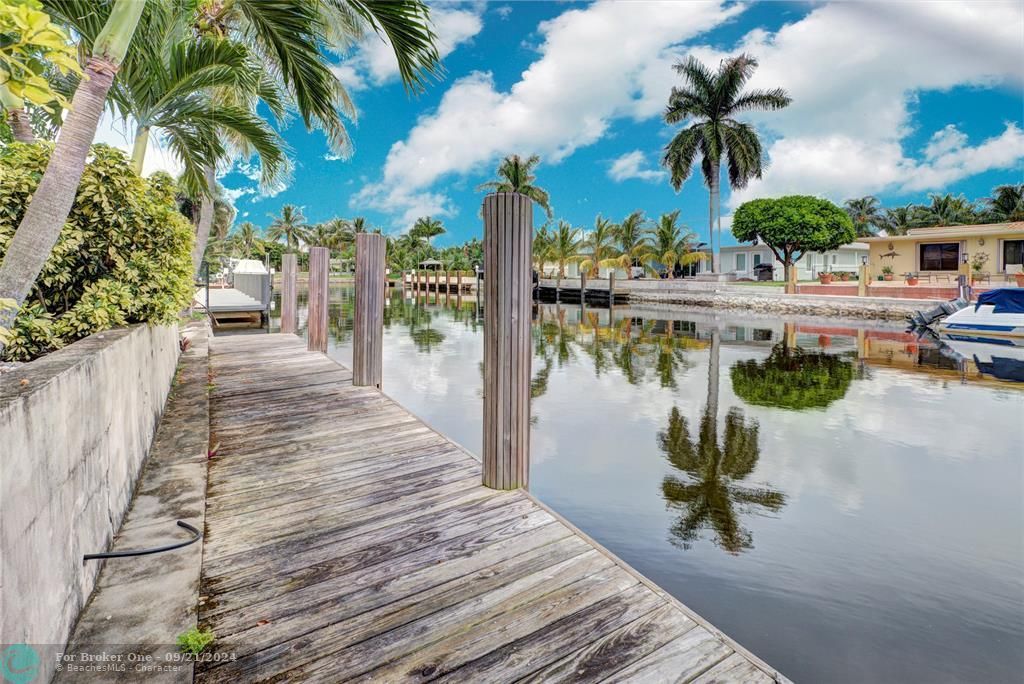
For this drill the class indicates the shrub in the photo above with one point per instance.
(195, 640)
(124, 255)
(792, 379)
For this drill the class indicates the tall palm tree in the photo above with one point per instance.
(426, 228)
(946, 210)
(359, 225)
(515, 174)
(565, 246)
(51, 203)
(673, 244)
(1006, 204)
(633, 245)
(898, 220)
(542, 240)
(711, 100)
(600, 243)
(246, 237)
(290, 226)
(866, 214)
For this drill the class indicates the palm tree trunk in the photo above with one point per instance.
(713, 363)
(16, 116)
(713, 205)
(52, 200)
(139, 148)
(205, 220)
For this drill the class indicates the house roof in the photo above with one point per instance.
(966, 231)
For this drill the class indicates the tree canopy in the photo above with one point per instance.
(792, 379)
(793, 225)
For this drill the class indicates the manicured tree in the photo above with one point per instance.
(41, 225)
(791, 378)
(792, 226)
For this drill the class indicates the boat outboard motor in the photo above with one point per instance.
(926, 318)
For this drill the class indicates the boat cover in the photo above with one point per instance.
(1005, 300)
(1002, 368)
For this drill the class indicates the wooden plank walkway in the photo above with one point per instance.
(346, 540)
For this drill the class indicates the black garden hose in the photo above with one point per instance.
(196, 536)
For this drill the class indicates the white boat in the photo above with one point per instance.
(998, 317)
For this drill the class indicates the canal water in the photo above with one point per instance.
(842, 498)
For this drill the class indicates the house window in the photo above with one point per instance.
(757, 260)
(741, 262)
(1013, 253)
(940, 256)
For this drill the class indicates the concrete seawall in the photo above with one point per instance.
(75, 427)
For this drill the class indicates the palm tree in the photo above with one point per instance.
(565, 246)
(51, 203)
(359, 225)
(542, 240)
(246, 237)
(866, 214)
(711, 100)
(1007, 204)
(516, 175)
(945, 210)
(632, 243)
(600, 243)
(898, 220)
(287, 37)
(673, 244)
(427, 228)
(290, 225)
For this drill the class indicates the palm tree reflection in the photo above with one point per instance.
(711, 498)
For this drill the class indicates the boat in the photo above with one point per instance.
(997, 317)
(1003, 360)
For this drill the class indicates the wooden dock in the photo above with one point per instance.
(347, 540)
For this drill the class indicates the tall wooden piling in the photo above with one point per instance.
(508, 237)
(447, 288)
(437, 285)
(289, 303)
(458, 289)
(316, 321)
(368, 334)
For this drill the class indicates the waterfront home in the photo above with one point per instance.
(742, 259)
(939, 252)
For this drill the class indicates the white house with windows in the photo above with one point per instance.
(742, 260)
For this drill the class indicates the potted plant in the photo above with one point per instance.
(1019, 277)
(887, 273)
(824, 278)
(978, 262)
(912, 279)
(844, 276)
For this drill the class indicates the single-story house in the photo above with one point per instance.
(741, 260)
(940, 250)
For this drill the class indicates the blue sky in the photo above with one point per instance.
(896, 100)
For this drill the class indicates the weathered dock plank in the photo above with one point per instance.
(346, 540)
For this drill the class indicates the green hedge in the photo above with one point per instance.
(124, 255)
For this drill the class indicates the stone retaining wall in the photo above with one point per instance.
(75, 427)
(821, 305)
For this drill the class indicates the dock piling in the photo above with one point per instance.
(289, 304)
(368, 334)
(316, 324)
(508, 236)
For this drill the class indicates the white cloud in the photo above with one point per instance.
(331, 156)
(854, 71)
(503, 11)
(234, 194)
(374, 61)
(591, 61)
(633, 165)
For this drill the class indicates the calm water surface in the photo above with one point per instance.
(846, 502)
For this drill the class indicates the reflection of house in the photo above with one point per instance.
(940, 250)
(741, 260)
